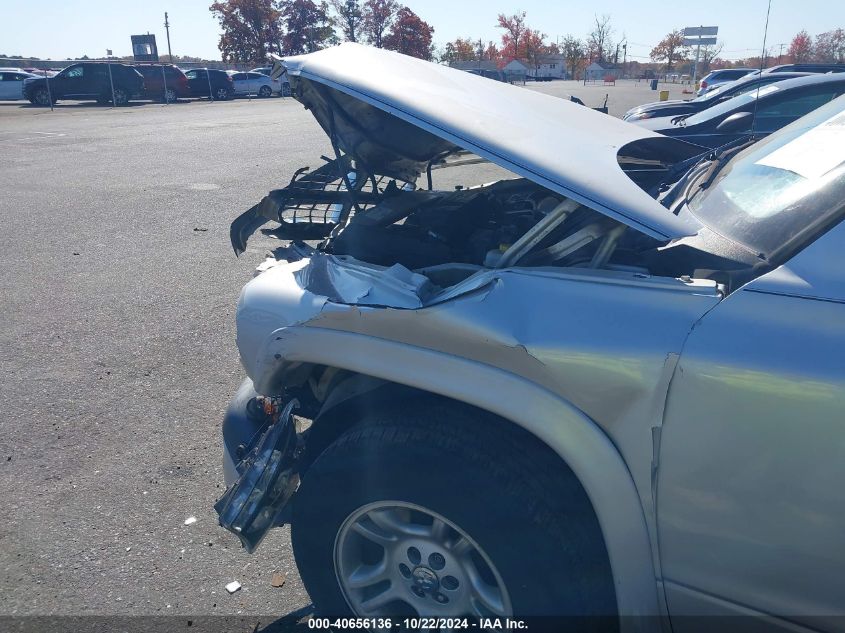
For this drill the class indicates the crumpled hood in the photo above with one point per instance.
(396, 113)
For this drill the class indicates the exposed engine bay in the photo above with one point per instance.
(448, 235)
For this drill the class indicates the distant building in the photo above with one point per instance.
(597, 71)
(548, 67)
(475, 64)
(516, 70)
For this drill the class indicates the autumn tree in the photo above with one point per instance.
(409, 34)
(708, 54)
(515, 28)
(830, 47)
(464, 50)
(307, 25)
(250, 29)
(599, 42)
(491, 52)
(534, 47)
(801, 47)
(670, 49)
(378, 15)
(574, 52)
(349, 17)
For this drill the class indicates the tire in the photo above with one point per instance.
(221, 94)
(265, 91)
(170, 96)
(534, 543)
(41, 97)
(121, 96)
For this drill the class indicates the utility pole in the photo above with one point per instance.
(167, 28)
(780, 52)
(624, 58)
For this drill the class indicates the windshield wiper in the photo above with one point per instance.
(680, 119)
(719, 159)
(692, 170)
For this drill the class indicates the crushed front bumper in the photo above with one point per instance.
(261, 447)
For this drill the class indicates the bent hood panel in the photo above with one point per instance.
(561, 145)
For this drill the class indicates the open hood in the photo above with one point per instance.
(396, 114)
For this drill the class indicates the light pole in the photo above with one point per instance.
(167, 28)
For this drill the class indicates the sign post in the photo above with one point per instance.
(699, 36)
(111, 80)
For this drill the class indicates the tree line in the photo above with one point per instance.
(827, 47)
(521, 41)
(252, 29)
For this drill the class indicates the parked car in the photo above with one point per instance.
(759, 111)
(164, 82)
(266, 70)
(11, 84)
(513, 388)
(219, 82)
(807, 68)
(719, 94)
(255, 84)
(86, 81)
(713, 79)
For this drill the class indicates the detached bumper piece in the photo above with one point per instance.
(269, 478)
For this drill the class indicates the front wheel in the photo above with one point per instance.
(41, 97)
(265, 91)
(221, 94)
(121, 96)
(435, 514)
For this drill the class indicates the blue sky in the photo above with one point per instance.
(71, 28)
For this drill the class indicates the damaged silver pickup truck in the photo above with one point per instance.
(609, 385)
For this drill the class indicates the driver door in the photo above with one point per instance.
(751, 474)
(73, 82)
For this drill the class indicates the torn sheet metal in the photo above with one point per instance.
(343, 280)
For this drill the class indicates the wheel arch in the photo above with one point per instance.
(583, 447)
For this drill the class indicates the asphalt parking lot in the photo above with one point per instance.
(118, 357)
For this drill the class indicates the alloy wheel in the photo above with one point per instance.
(394, 557)
(42, 97)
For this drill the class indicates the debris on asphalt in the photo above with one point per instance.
(233, 586)
(190, 520)
(128, 548)
(278, 579)
(200, 229)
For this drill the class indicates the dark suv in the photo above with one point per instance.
(86, 81)
(210, 82)
(164, 82)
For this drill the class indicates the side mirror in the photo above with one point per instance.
(737, 122)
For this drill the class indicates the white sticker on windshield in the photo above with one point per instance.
(814, 153)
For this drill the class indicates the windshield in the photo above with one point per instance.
(783, 186)
(723, 108)
(712, 94)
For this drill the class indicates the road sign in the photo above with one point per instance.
(699, 41)
(695, 36)
(693, 31)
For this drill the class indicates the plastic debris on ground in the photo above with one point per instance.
(233, 586)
